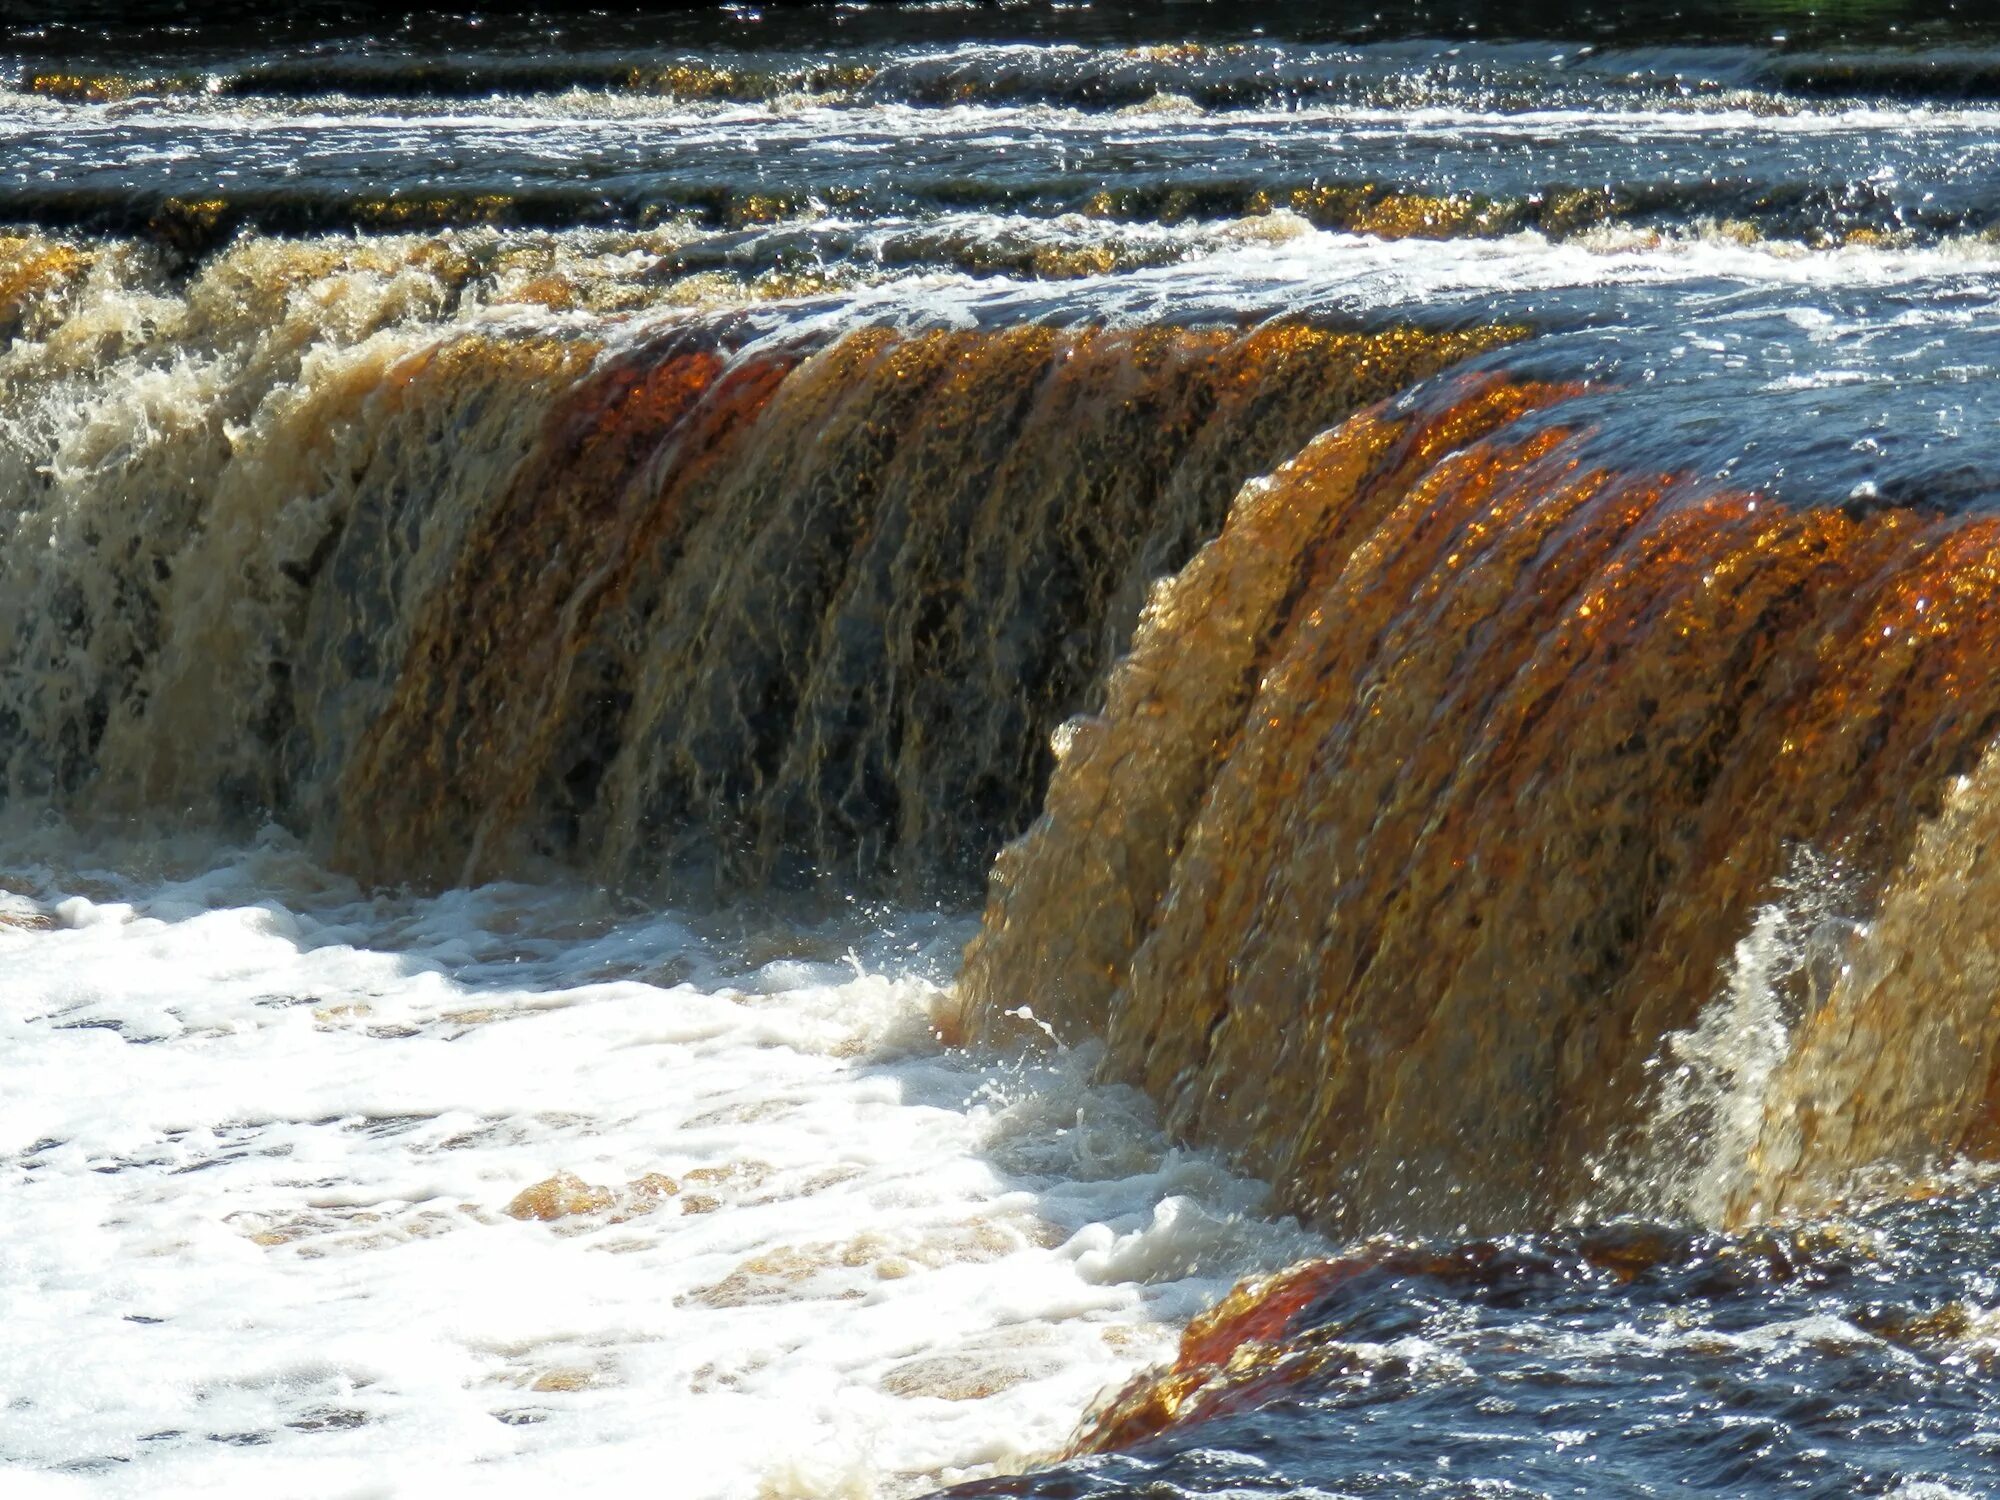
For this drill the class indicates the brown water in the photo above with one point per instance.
(1441, 582)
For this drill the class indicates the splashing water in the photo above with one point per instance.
(318, 1189)
(1714, 1079)
(1457, 578)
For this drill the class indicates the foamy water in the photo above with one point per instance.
(342, 447)
(261, 1135)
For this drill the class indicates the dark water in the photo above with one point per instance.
(1632, 1361)
(1765, 236)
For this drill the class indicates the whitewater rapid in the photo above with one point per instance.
(262, 1132)
(1458, 579)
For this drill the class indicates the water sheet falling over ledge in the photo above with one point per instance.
(367, 538)
(1464, 755)
(1435, 792)
(715, 471)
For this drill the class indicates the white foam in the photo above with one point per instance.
(259, 1129)
(1712, 1081)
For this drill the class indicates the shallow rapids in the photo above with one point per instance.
(315, 1191)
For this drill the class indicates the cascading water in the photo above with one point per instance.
(1444, 588)
(507, 586)
(1545, 730)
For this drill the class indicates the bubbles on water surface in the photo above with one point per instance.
(343, 1189)
(538, 1180)
(339, 1189)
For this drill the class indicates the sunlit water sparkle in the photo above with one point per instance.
(261, 1131)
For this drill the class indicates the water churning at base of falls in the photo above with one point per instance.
(320, 1190)
(876, 749)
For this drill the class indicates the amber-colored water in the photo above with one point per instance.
(1435, 791)
(694, 611)
(842, 596)
(1441, 584)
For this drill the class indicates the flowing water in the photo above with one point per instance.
(837, 751)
